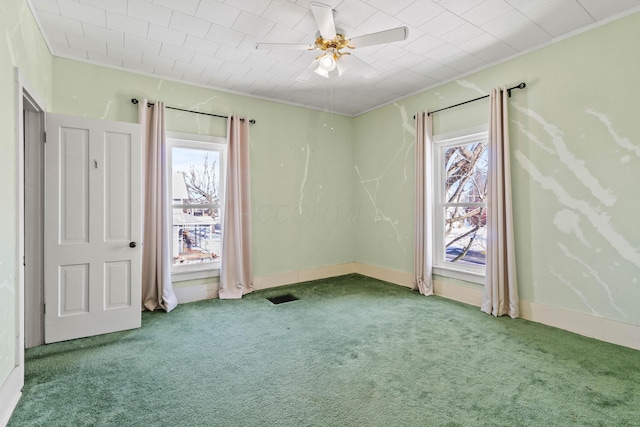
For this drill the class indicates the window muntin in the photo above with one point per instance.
(197, 170)
(461, 167)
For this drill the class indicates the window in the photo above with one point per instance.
(460, 217)
(197, 168)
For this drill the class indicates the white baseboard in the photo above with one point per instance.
(210, 290)
(290, 277)
(607, 330)
(10, 393)
(611, 331)
(392, 276)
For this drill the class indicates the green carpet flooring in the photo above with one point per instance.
(352, 351)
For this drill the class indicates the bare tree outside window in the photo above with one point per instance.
(464, 204)
(202, 181)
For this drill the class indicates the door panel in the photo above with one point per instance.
(92, 214)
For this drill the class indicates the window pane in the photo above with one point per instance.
(195, 192)
(196, 176)
(465, 173)
(196, 238)
(465, 235)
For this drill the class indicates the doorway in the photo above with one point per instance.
(33, 216)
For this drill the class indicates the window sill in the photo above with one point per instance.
(196, 272)
(464, 275)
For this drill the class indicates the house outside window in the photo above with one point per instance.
(197, 168)
(460, 205)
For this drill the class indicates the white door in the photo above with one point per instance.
(92, 256)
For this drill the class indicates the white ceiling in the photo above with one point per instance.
(212, 42)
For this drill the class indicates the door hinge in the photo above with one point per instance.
(44, 137)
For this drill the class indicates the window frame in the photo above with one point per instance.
(202, 142)
(465, 272)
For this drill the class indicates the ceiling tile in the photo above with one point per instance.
(166, 35)
(218, 13)
(282, 34)
(104, 59)
(127, 24)
(229, 54)
(505, 22)
(186, 67)
(526, 36)
(124, 53)
(46, 6)
(82, 12)
(528, 5)
(285, 13)
(100, 33)
(185, 6)
(116, 6)
(189, 24)
(379, 21)
(207, 61)
(459, 6)
(149, 12)
(142, 44)
(391, 7)
(560, 17)
(157, 61)
(253, 25)
(62, 24)
(176, 53)
(600, 9)
(461, 34)
(420, 11)
(424, 44)
(224, 35)
(83, 43)
(255, 7)
(201, 45)
(442, 24)
(57, 38)
(487, 11)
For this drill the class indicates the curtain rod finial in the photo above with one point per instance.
(134, 101)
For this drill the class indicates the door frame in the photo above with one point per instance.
(11, 389)
(34, 119)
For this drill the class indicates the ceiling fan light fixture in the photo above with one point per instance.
(327, 62)
(321, 71)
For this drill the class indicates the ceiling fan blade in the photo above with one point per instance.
(323, 15)
(387, 36)
(308, 72)
(290, 46)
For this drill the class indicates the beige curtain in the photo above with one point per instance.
(157, 291)
(501, 287)
(423, 262)
(236, 275)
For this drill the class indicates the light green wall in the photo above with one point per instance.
(300, 168)
(21, 46)
(575, 144)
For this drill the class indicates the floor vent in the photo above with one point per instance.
(282, 299)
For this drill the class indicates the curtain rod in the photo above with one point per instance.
(520, 86)
(149, 104)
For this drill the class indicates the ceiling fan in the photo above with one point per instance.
(331, 42)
